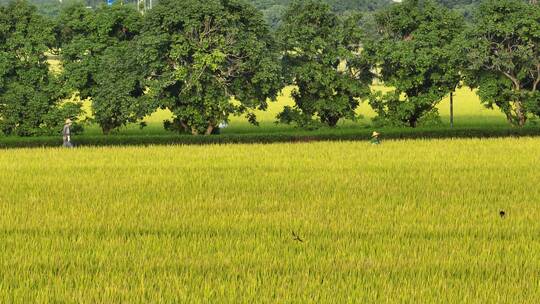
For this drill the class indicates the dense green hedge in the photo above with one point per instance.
(300, 136)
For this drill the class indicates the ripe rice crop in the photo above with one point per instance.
(407, 221)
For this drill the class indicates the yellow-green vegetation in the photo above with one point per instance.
(405, 221)
(467, 110)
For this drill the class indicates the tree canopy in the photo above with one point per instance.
(98, 52)
(504, 54)
(322, 60)
(30, 95)
(416, 52)
(199, 55)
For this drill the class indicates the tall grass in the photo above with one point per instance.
(407, 221)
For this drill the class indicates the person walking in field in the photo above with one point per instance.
(66, 133)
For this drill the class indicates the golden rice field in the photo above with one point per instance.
(403, 222)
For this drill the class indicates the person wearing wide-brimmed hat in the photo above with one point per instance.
(66, 133)
(375, 138)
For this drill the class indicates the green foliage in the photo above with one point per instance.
(322, 60)
(201, 54)
(338, 6)
(274, 10)
(465, 7)
(417, 53)
(119, 96)
(29, 94)
(97, 49)
(274, 14)
(47, 8)
(52, 8)
(504, 54)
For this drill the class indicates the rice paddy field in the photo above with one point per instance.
(415, 221)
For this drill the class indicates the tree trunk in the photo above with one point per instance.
(184, 125)
(520, 114)
(509, 117)
(106, 130)
(209, 129)
(516, 117)
(451, 109)
(332, 121)
(413, 122)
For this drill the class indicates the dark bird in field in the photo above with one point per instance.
(296, 237)
(502, 213)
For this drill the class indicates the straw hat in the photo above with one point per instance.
(68, 121)
(375, 134)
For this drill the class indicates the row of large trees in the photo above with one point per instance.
(207, 60)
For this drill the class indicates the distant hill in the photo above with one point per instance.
(361, 5)
(458, 3)
(338, 5)
(466, 7)
(272, 9)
